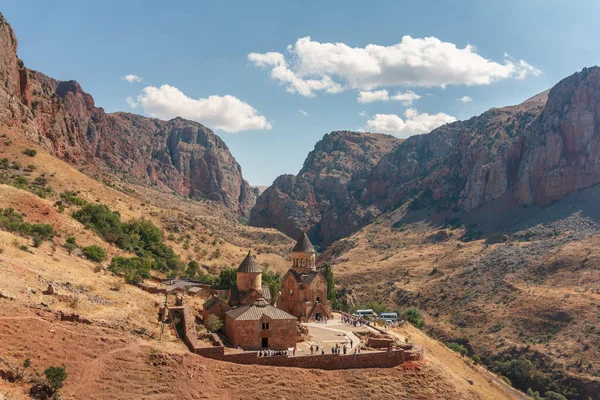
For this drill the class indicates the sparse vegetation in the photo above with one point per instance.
(12, 221)
(414, 316)
(213, 323)
(94, 253)
(139, 236)
(457, 348)
(30, 152)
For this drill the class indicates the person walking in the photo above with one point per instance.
(294, 352)
(351, 343)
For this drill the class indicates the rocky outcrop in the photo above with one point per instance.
(534, 153)
(176, 155)
(323, 198)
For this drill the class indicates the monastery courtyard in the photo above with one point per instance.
(327, 335)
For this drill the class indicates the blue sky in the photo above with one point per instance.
(201, 49)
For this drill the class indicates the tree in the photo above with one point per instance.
(328, 274)
(550, 395)
(213, 323)
(55, 377)
(192, 269)
(227, 277)
(94, 253)
(272, 280)
(413, 315)
(457, 348)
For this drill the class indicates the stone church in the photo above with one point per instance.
(303, 288)
(250, 320)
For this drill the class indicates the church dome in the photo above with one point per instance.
(304, 245)
(250, 264)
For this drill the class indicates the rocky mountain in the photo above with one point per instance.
(176, 155)
(324, 197)
(534, 153)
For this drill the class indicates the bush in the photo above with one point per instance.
(37, 241)
(213, 323)
(550, 395)
(135, 269)
(413, 315)
(522, 373)
(94, 253)
(457, 348)
(55, 377)
(227, 277)
(140, 236)
(272, 280)
(71, 198)
(30, 152)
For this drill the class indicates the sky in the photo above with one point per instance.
(272, 77)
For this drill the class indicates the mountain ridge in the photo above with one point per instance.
(176, 155)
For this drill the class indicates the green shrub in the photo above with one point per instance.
(94, 253)
(30, 152)
(72, 199)
(457, 348)
(139, 236)
(37, 241)
(213, 323)
(227, 277)
(55, 377)
(272, 280)
(413, 315)
(135, 269)
(550, 395)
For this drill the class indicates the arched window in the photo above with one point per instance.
(265, 326)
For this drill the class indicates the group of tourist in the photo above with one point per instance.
(354, 321)
(321, 318)
(314, 349)
(269, 353)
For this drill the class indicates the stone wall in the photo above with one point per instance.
(380, 342)
(384, 359)
(379, 359)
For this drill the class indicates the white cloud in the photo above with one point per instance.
(131, 78)
(225, 113)
(131, 102)
(426, 62)
(362, 114)
(376, 95)
(406, 98)
(303, 113)
(413, 124)
(465, 99)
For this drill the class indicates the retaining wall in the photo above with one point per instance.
(379, 359)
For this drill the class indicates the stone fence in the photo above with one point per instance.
(373, 359)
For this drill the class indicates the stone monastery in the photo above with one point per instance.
(254, 318)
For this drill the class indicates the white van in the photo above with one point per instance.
(391, 316)
(364, 313)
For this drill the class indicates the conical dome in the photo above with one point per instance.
(304, 245)
(250, 264)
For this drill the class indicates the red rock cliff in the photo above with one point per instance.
(178, 155)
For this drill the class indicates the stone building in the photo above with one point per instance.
(303, 288)
(260, 325)
(250, 321)
(215, 305)
(248, 287)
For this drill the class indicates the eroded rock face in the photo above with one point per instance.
(324, 197)
(177, 155)
(533, 153)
